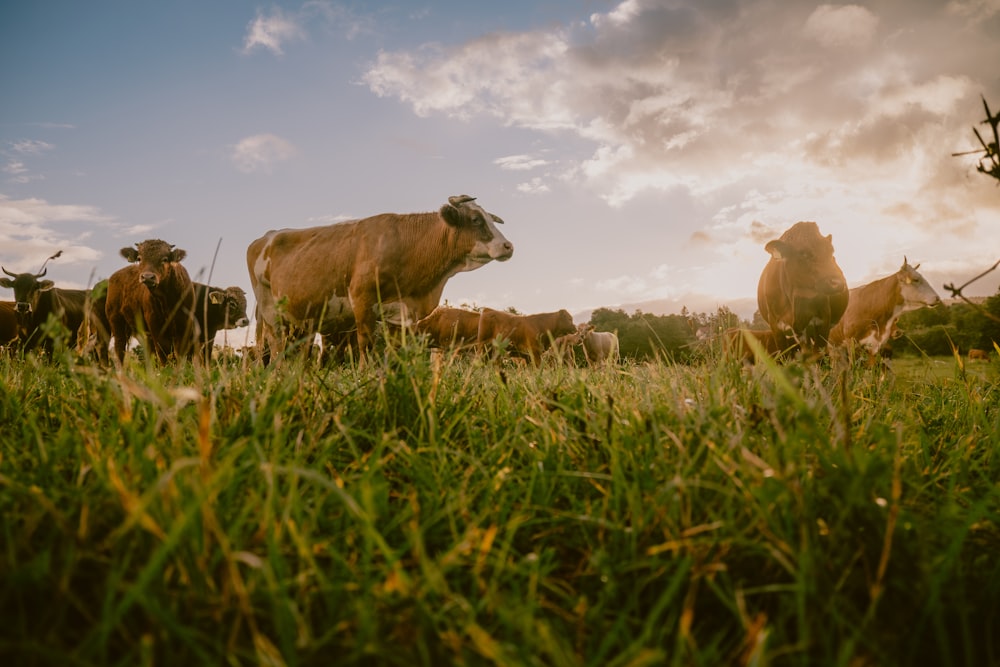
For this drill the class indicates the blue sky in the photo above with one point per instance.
(640, 152)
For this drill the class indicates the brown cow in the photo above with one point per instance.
(873, 309)
(737, 345)
(8, 324)
(450, 327)
(331, 279)
(599, 346)
(527, 335)
(155, 294)
(36, 300)
(802, 291)
(978, 354)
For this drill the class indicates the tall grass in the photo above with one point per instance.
(416, 513)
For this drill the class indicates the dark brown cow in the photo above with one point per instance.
(802, 291)
(975, 353)
(35, 300)
(526, 335)
(870, 318)
(215, 309)
(155, 294)
(8, 324)
(331, 279)
(450, 327)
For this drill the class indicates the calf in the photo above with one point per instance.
(599, 346)
(873, 309)
(450, 327)
(527, 335)
(155, 295)
(36, 300)
(978, 354)
(802, 292)
(737, 346)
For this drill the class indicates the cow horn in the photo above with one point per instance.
(458, 200)
(12, 275)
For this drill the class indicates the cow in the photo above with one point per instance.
(874, 308)
(563, 348)
(979, 354)
(153, 294)
(527, 336)
(447, 327)
(35, 300)
(332, 279)
(737, 346)
(8, 324)
(216, 309)
(599, 346)
(802, 292)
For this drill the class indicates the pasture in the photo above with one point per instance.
(411, 513)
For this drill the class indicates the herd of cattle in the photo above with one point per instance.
(395, 266)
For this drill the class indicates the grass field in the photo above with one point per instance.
(410, 513)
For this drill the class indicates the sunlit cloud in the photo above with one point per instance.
(260, 152)
(534, 186)
(520, 162)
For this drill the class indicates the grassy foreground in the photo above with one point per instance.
(415, 514)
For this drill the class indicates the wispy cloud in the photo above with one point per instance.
(260, 152)
(520, 162)
(29, 233)
(272, 32)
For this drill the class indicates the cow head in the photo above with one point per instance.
(809, 263)
(27, 289)
(463, 214)
(564, 324)
(154, 258)
(234, 300)
(915, 290)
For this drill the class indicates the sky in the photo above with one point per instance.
(641, 153)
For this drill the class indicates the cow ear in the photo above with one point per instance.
(497, 219)
(216, 297)
(130, 254)
(45, 285)
(452, 215)
(177, 254)
(777, 248)
(7, 282)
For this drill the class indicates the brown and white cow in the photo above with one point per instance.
(874, 308)
(35, 300)
(332, 279)
(155, 293)
(449, 327)
(802, 291)
(8, 324)
(599, 346)
(526, 336)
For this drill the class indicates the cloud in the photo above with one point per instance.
(520, 162)
(841, 26)
(28, 234)
(260, 152)
(271, 32)
(30, 147)
(534, 186)
(711, 97)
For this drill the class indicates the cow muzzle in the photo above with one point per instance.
(149, 280)
(22, 307)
